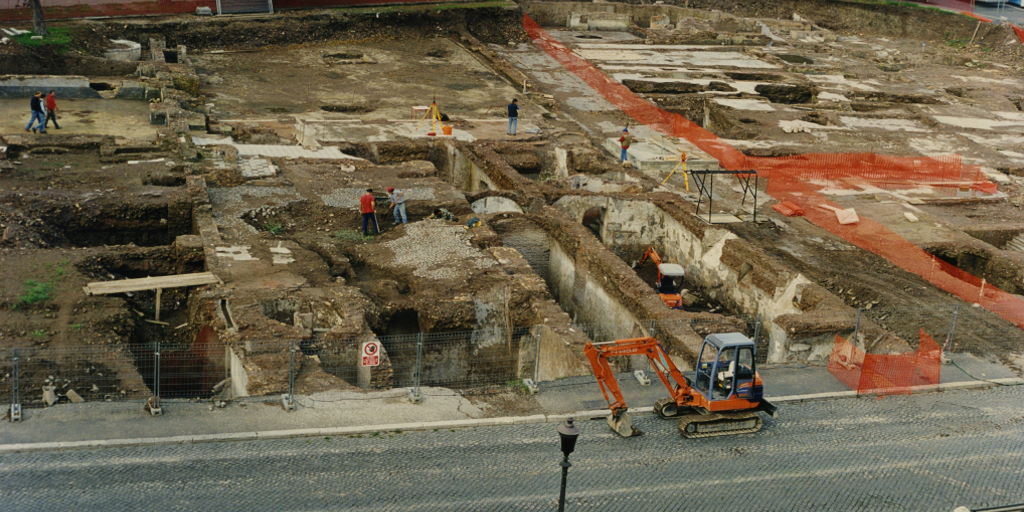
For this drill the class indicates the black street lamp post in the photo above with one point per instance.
(568, 433)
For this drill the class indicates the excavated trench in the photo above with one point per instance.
(453, 351)
(114, 223)
(630, 247)
(191, 363)
(709, 257)
(995, 269)
(573, 287)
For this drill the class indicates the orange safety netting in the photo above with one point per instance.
(886, 373)
(800, 179)
(1019, 31)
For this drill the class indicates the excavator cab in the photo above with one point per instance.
(670, 282)
(669, 279)
(726, 368)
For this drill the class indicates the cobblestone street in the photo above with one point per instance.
(921, 452)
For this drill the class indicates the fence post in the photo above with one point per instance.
(288, 399)
(536, 356)
(531, 383)
(414, 393)
(952, 330)
(15, 388)
(153, 404)
(757, 329)
(856, 328)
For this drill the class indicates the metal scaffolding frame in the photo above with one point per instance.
(705, 181)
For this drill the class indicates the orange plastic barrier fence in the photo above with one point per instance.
(1019, 31)
(800, 180)
(886, 373)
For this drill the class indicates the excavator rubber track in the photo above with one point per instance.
(694, 426)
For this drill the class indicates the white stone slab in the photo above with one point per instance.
(888, 124)
(798, 126)
(282, 151)
(841, 82)
(257, 168)
(235, 252)
(1001, 139)
(831, 96)
(745, 104)
(709, 59)
(1001, 81)
(978, 123)
(1012, 116)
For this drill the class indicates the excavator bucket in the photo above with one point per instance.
(622, 424)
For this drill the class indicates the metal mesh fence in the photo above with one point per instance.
(480, 361)
(458, 360)
(47, 375)
(886, 373)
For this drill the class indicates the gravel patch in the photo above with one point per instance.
(349, 197)
(437, 249)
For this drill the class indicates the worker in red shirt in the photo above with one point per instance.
(51, 109)
(368, 207)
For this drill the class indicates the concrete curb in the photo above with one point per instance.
(450, 424)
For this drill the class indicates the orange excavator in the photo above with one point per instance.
(723, 397)
(670, 278)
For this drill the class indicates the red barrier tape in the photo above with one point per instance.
(790, 179)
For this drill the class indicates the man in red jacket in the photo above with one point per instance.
(51, 109)
(368, 207)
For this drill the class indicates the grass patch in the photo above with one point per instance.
(57, 270)
(39, 333)
(56, 36)
(518, 387)
(274, 229)
(899, 3)
(78, 327)
(35, 292)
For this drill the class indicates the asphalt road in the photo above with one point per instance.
(923, 452)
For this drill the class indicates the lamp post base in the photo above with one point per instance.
(565, 472)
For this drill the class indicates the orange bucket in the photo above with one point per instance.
(446, 129)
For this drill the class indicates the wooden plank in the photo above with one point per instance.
(150, 283)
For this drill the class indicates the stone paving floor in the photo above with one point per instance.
(921, 452)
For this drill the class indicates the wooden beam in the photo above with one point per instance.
(150, 283)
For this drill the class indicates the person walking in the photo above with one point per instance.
(51, 109)
(38, 115)
(624, 142)
(513, 116)
(368, 207)
(397, 198)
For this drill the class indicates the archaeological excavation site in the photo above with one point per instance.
(836, 181)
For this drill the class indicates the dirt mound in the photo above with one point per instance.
(489, 25)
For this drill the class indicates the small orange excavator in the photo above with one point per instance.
(723, 398)
(670, 278)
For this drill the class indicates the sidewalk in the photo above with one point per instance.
(578, 393)
(990, 10)
(352, 410)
